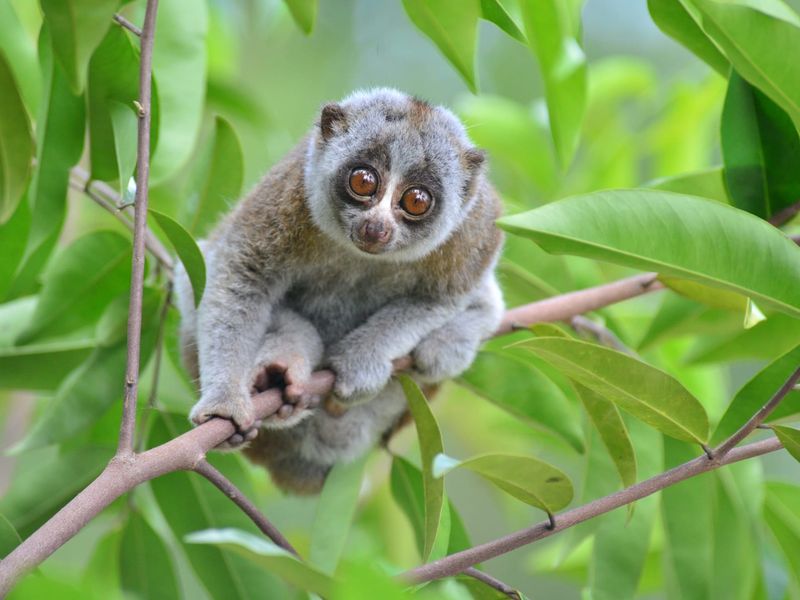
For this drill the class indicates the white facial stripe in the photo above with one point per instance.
(384, 206)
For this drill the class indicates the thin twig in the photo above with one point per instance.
(456, 563)
(123, 22)
(125, 447)
(492, 582)
(757, 418)
(784, 216)
(205, 469)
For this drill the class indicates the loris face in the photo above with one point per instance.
(390, 176)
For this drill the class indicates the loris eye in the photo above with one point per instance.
(363, 181)
(416, 201)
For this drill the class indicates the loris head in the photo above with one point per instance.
(390, 176)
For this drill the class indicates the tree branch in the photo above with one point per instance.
(492, 582)
(125, 447)
(123, 22)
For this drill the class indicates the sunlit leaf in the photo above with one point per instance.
(188, 252)
(526, 478)
(709, 183)
(16, 145)
(453, 26)
(339, 497)
(304, 13)
(676, 235)
(430, 445)
(606, 418)
(77, 28)
(493, 10)
(674, 18)
(20, 52)
(790, 438)
(761, 149)
(518, 387)
(145, 566)
(645, 392)
(268, 556)
(79, 284)
(554, 38)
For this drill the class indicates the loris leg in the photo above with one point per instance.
(291, 350)
(449, 350)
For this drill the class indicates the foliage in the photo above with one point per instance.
(606, 164)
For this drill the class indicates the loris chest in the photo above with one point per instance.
(339, 296)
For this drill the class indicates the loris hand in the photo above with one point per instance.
(234, 405)
(359, 375)
(289, 376)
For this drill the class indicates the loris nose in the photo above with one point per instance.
(375, 232)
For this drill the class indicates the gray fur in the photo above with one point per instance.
(288, 282)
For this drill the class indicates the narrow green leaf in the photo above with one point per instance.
(453, 26)
(79, 284)
(13, 239)
(493, 10)
(676, 235)
(706, 295)
(188, 252)
(790, 438)
(145, 566)
(101, 577)
(268, 556)
(527, 479)
(761, 149)
(339, 497)
(304, 13)
(640, 389)
(430, 445)
(16, 144)
(756, 393)
(219, 174)
(609, 424)
(41, 367)
(709, 183)
(757, 44)
(782, 515)
(9, 538)
(554, 38)
(20, 52)
(125, 125)
(518, 387)
(179, 70)
(190, 503)
(674, 18)
(405, 481)
(77, 27)
(674, 316)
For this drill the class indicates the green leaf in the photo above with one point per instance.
(9, 538)
(757, 44)
(46, 480)
(676, 235)
(527, 479)
(101, 577)
(453, 26)
(188, 252)
(113, 80)
(674, 18)
(125, 126)
(268, 556)
(756, 393)
(430, 445)
(782, 515)
(179, 70)
(16, 144)
(553, 36)
(13, 239)
(339, 497)
(304, 13)
(145, 566)
(674, 316)
(41, 367)
(790, 438)
(761, 150)
(190, 503)
(220, 174)
(20, 52)
(405, 481)
(515, 384)
(79, 284)
(493, 10)
(709, 183)
(612, 430)
(640, 389)
(77, 26)
(87, 392)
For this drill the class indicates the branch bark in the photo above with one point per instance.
(125, 447)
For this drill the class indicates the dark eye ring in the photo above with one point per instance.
(416, 202)
(363, 182)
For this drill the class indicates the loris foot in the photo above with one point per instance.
(236, 408)
(297, 401)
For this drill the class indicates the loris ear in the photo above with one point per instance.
(474, 159)
(332, 121)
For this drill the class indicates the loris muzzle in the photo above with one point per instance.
(373, 239)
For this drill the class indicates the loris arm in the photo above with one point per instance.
(362, 360)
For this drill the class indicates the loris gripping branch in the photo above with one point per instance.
(373, 239)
